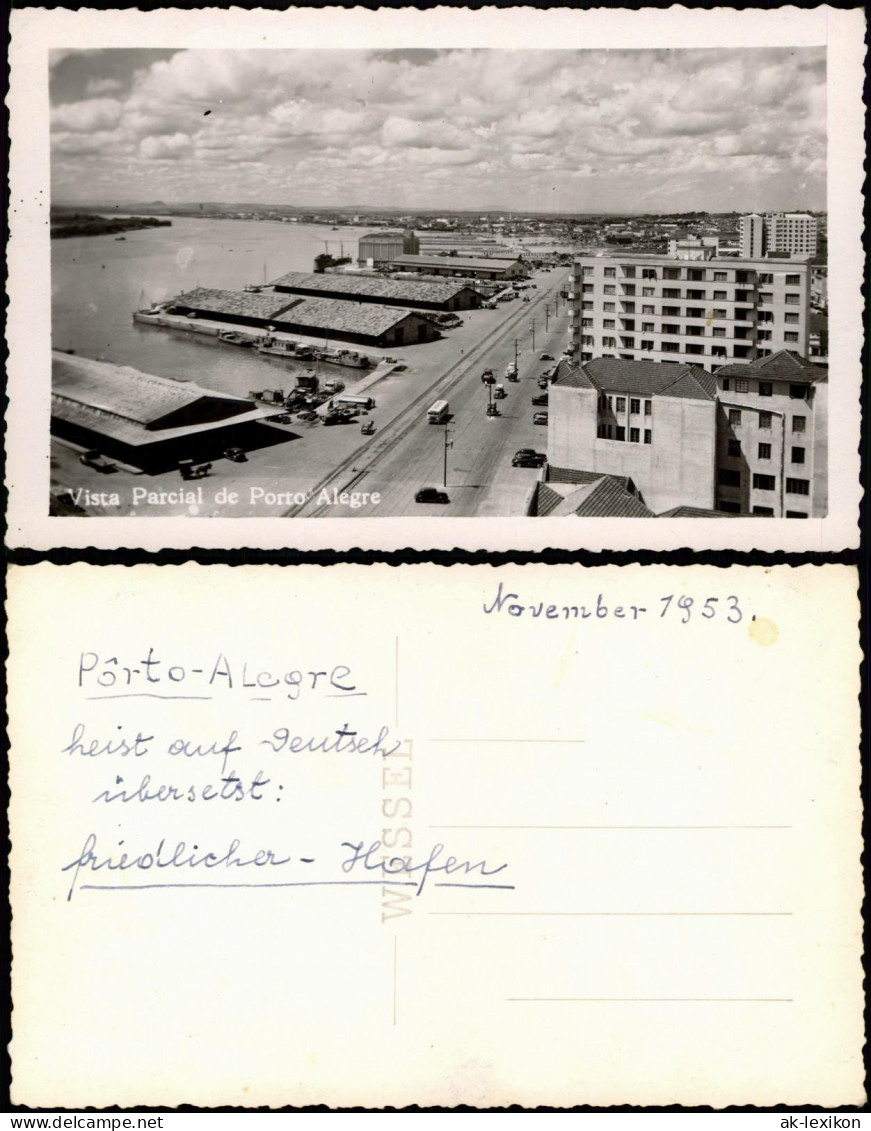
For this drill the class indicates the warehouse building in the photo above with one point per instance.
(377, 248)
(440, 296)
(707, 313)
(327, 318)
(748, 439)
(147, 421)
(498, 269)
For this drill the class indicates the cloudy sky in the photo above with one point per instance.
(567, 130)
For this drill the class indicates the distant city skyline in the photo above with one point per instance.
(595, 131)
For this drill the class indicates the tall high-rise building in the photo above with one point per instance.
(778, 233)
(707, 312)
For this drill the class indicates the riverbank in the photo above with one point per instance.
(84, 224)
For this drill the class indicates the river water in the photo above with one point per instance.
(97, 282)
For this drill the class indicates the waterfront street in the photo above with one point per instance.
(404, 453)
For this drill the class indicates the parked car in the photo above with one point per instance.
(542, 382)
(431, 495)
(307, 414)
(493, 410)
(540, 399)
(236, 455)
(546, 357)
(539, 418)
(528, 458)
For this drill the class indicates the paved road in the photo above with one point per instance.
(411, 453)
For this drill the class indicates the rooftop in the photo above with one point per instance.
(248, 304)
(644, 257)
(372, 286)
(784, 365)
(640, 378)
(342, 316)
(455, 262)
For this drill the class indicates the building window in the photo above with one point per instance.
(588, 271)
(720, 276)
(648, 309)
(587, 306)
(765, 279)
(695, 294)
(634, 404)
(646, 344)
(765, 421)
(609, 324)
(695, 275)
(588, 288)
(609, 343)
(798, 486)
(718, 351)
(727, 506)
(694, 349)
(621, 404)
(648, 327)
(765, 296)
(695, 312)
(791, 299)
(790, 336)
(670, 347)
(621, 433)
(735, 417)
(793, 280)
(629, 272)
(790, 317)
(671, 311)
(798, 455)
(719, 312)
(634, 436)
(671, 273)
(670, 328)
(628, 356)
(742, 385)
(797, 392)
(628, 288)
(648, 436)
(648, 292)
(728, 477)
(671, 292)
(628, 323)
(719, 331)
(610, 272)
(769, 511)
(611, 307)
(628, 307)
(610, 290)
(735, 448)
(648, 408)
(600, 431)
(648, 273)
(763, 482)
(587, 323)
(720, 296)
(795, 514)
(765, 388)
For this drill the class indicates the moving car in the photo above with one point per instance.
(546, 357)
(526, 457)
(499, 392)
(539, 418)
(431, 495)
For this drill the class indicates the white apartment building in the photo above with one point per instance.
(778, 233)
(707, 313)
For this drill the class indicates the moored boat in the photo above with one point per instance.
(234, 338)
(277, 347)
(349, 358)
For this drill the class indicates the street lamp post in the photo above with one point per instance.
(546, 317)
(448, 444)
(533, 333)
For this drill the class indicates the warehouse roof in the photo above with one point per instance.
(371, 286)
(589, 494)
(248, 304)
(134, 407)
(349, 317)
(455, 262)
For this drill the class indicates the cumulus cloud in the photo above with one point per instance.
(469, 126)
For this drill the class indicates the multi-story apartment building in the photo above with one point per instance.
(748, 439)
(709, 312)
(778, 233)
